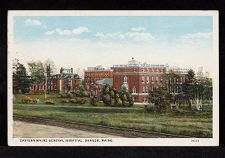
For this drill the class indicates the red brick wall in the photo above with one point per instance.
(93, 76)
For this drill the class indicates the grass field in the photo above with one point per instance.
(189, 123)
(184, 122)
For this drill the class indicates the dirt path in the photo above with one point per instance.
(32, 130)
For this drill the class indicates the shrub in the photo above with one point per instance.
(65, 101)
(149, 108)
(29, 100)
(73, 100)
(112, 97)
(66, 95)
(49, 101)
(93, 100)
(81, 100)
(106, 99)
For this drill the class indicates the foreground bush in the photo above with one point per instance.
(112, 97)
(29, 100)
(49, 101)
(94, 100)
(74, 100)
(150, 108)
(66, 95)
(65, 101)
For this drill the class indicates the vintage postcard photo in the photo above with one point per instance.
(113, 78)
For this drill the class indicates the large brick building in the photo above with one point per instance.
(93, 74)
(140, 79)
(65, 81)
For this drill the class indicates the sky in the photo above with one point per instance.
(84, 41)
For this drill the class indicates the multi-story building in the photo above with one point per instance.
(93, 74)
(65, 81)
(175, 78)
(139, 79)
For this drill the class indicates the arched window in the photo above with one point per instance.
(157, 78)
(142, 79)
(125, 79)
(134, 90)
(143, 90)
(146, 89)
(147, 80)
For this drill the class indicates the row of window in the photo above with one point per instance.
(144, 89)
(152, 79)
(97, 75)
(143, 79)
(142, 70)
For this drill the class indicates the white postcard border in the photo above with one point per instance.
(118, 141)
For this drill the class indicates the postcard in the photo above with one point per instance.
(113, 78)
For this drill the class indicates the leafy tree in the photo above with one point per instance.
(21, 81)
(37, 72)
(49, 66)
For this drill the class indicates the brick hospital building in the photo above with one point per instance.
(140, 79)
(93, 74)
(65, 81)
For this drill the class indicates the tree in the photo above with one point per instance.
(49, 66)
(190, 87)
(21, 81)
(161, 98)
(112, 97)
(37, 72)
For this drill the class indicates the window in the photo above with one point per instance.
(152, 88)
(152, 78)
(146, 89)
(134, 90)
(147, 80)
(143, 91)
(157, 78)
(142, 79)
(125, 79)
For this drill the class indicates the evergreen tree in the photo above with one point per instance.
(190, 87)
(161, 98)
(21, 81)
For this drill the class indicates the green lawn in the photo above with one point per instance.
(189, 123)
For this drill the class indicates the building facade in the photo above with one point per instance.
(140, 79)
(94, 74)
(175, 78)
(65, 81)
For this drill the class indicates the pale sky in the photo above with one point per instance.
(81, 42)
